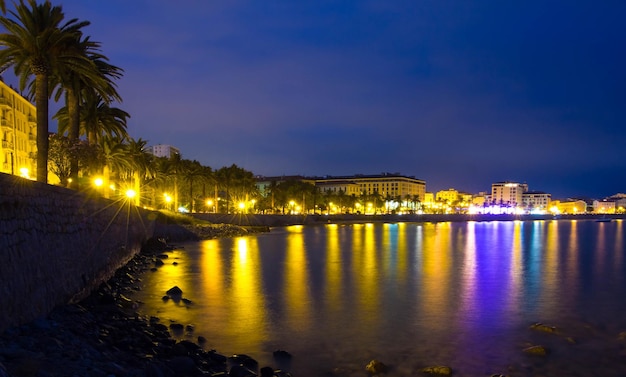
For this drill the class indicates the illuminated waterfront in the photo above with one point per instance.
(411, 295)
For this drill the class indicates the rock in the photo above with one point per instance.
(438, 370)
(267, 372)
(282, 358)
(158, 263)
(536, 350)
(243, 360)
(376, 367)
(174, 291)
(241, 371)
(182, 365)
(201, 340)
(545, 328)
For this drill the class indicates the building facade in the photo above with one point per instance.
(387, 185)
(163, 150)
(508, 193)
(536, 200)
(18, 122)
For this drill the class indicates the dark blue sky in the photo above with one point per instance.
(458, 93)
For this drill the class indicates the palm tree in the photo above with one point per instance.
(140, 165)
(97, 119)
(95, 79)
(114, 157)
(38, 43)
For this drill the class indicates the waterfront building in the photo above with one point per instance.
(604, 206)
(568, 206)
(429, 198)
(536, 201)
(163, 150)
(348, 188)
(480, 199)
(508, 193)
(448, 196)
(18, 121)
(387, 185)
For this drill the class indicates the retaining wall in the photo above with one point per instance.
(57, 245)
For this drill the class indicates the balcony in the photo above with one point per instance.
(6, 125)
(5, 102)
(7, 144)
(32, 155)
(32, 118)
(32, 138)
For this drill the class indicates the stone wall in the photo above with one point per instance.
(56, 245)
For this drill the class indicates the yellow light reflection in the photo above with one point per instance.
(297, 295)
(435, 280)
(334, 286)
(468, 294)
(246, 292)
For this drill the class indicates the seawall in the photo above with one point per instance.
(57, 245)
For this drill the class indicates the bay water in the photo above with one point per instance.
(411, 295)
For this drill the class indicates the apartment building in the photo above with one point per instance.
(392, 185)
(536, 200)
(18, 122)
(163, 150)
(508, 193)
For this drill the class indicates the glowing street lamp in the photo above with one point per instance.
(130, 193)
(168, 200)
(209, 204)
(24, 172)
(98, 182)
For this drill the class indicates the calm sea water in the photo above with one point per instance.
(411, 295)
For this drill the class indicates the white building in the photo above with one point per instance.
(508, 193)
(536, 200)
(603, 206)
(163, 150)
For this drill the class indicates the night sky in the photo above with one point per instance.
(457, 93)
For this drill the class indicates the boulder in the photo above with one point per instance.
(536, 350)
(174, 291)
(545, 328)
(438, 370)
(376, 367)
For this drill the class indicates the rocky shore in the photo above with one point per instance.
(103, 335)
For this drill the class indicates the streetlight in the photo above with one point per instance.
(130, 193)
(209, 204)
(168, 200)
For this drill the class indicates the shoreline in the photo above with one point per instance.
(103, 335)
(256, 220)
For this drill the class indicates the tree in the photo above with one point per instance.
(97, 119)
(237, 183)
(95, 79)
(37, 44)
(114, 158)
(191, 172)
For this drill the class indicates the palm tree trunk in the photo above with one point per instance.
(106, 177)
(74, 130)
(41, 101)
(137, 188)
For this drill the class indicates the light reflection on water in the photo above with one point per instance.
(410, 295)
